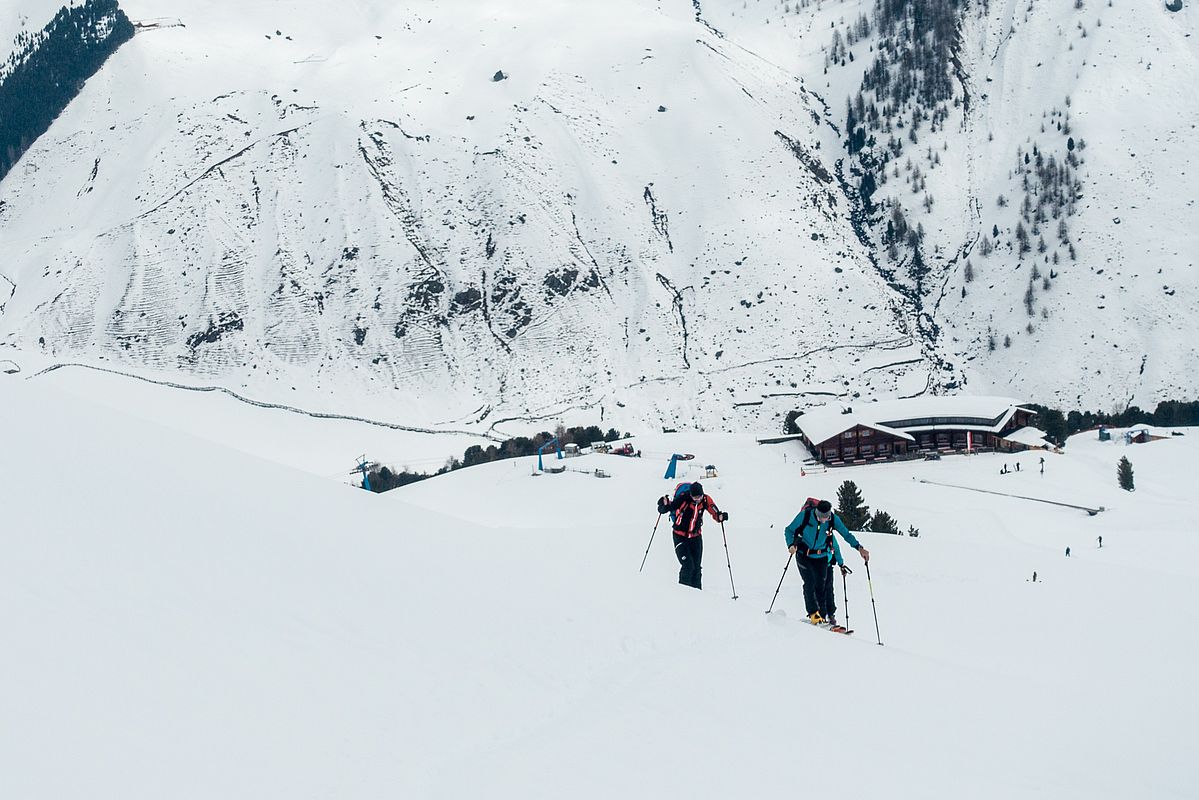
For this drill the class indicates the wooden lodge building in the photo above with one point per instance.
(901, 429)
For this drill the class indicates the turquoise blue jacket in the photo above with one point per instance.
(815, 536)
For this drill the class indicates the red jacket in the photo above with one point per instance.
(689, 514)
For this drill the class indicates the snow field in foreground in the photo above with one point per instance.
(190, 621)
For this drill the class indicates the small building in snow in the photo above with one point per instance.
(1139, 436)
(838, 434)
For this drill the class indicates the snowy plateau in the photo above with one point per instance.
(267, 237)
(452, 214)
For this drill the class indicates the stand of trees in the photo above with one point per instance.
(909, 84)
(854, 512)
(47, 71)
(384, 478)
(1169, 413)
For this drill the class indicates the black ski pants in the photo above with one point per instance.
(690, 553)
(817, 574)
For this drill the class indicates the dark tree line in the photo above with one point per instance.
(384, 478)
(1168, 414)
(48, 69)
(917, 38)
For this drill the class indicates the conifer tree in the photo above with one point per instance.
(882, 522)
(1123, 474)
(851, 508)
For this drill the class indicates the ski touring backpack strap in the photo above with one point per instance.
(679, 491)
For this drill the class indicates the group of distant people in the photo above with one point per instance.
(1004, 470)
(1098, 539)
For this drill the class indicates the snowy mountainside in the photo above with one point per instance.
(1087, 110)
(23, 16)
(452, 214)
(455, 214)
(189, 621)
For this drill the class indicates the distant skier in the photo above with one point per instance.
(1034, 576)
(1017, 466)
(1042, 465)
(810, 539)
(1101, 542)
(688, 513)
(1067, 552)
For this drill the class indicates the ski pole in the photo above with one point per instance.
(651, 542)
(873, 607)
(845, 593)
(780, 586)
(727, 560)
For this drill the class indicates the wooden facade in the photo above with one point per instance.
(915, 438)
(861, 444)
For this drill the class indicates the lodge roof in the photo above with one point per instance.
(1031, 437)
(900, 417)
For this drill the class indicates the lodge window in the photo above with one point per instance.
(849, 452)
(830, 452)
(867, 450)
(866, 432)
(884, 448)
(847, 435)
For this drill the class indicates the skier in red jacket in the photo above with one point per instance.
(687, 513)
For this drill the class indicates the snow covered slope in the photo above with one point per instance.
(1089, 109)
(451, 213)
(1109, 89)
(188, 621)
(641, 213)
(23, 16)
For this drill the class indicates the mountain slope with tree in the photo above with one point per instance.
(641, 213)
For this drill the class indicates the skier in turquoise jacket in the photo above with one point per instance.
(810, 539)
